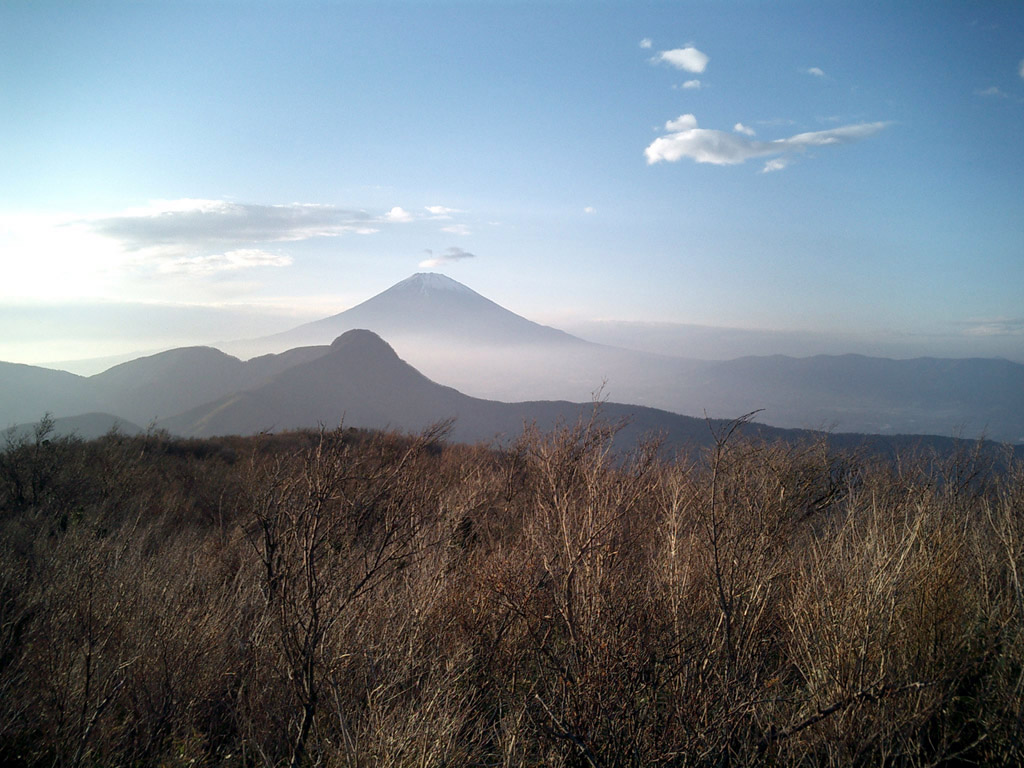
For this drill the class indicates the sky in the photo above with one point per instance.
(186, 172)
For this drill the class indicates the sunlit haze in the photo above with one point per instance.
(833, 177)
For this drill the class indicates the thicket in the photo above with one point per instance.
(368, 599)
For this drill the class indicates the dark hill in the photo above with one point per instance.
(362, 382)
(27, 392)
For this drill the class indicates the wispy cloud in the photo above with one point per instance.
(993, 90)
(589, 210)
(777, 122)
(691, 85)
(1013, 326)
(646, 43)
(722, 148)
(230, 261)
(816, 71)
(188, 224)
(450, 255)
(775, 164)
(688, 59)
(744, 129)
(441, 211)
(456, 229)
(1020, 68)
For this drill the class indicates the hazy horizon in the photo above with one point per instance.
(708, 180)
(123, 331)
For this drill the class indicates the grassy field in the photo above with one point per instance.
(348, 598)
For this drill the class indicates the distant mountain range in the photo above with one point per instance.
(360, 381)
(454, 335)
(320, 372)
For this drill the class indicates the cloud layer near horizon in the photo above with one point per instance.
(705, 145)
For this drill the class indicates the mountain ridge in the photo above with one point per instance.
(510, 360)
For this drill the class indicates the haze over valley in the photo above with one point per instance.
(456, 355)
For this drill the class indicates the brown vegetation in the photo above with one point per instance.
(368, 599)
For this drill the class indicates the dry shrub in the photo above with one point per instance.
(362, 599)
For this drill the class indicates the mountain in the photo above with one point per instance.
(88, 426)
(453, 334)
(430, 307)
(361, 382)
(27, 392)
(142, 390)
(168, 383)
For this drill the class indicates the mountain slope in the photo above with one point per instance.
(160, 385)
(168, 383)
(28, 392)
(362, 382)
(87, 426)
(427, 306)
(455, 335)
(139, 391)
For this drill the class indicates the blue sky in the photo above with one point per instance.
(216, 167)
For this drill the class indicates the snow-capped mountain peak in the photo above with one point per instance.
(431, 282)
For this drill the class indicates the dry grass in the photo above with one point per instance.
(355, 599)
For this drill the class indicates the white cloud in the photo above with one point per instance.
(815, 71)
(776, 164)
(646, 43)
(450, 255)
(184, 225)
(741, 128)
(590, 209)
(691, 85)
(681, 123)
(441, 211)
(456, 229)
(846, 134)
(230, 261)
(76, 255)
(721, 148)
(993, 90)
(1020, 68)
(688, 59)
(398, 215)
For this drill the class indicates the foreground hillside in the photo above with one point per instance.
(363, 599)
